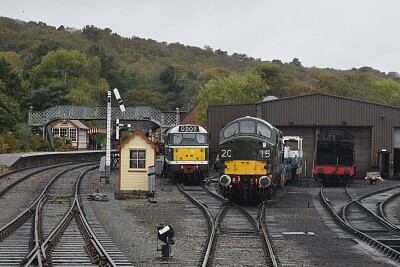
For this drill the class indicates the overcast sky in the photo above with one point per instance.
(339, 34)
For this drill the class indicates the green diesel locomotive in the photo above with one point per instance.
(250, 159)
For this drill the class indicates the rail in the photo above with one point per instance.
(388, 251)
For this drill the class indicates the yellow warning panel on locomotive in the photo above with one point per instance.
(245, 167)
(189, 154)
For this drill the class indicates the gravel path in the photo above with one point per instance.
(132, 223)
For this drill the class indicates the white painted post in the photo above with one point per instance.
(108, 142)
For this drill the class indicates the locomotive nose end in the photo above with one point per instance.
(264, 181)
(225, 180)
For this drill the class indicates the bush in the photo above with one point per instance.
(2, 150)
(39, 144)
(10, 143)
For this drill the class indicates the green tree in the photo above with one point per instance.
(37, 55)
(86, 93)
(10, 79)
(230, 89)
(92, 33)
(145, 97)
(386, 91)
(109, 67)
(23, 134)
(278, 81)
(332, 84)
(14, 59)
(211, 73)
(48, 96)
(22, 131)
(129, 78)
(9, 110)
(69, 74)
(172, 86)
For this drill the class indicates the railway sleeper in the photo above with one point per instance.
(92, 253)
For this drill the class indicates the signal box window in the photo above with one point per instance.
(137, 159)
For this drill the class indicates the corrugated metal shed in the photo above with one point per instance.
(375, 124)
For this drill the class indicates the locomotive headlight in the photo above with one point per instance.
(225, 180)
(264, 181)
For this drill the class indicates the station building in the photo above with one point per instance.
(74, 130)
(376, 127)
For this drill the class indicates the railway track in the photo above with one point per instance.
(54, 231)
(235, 236)
(363, 218)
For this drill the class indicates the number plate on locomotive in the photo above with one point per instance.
(188, 128)
(264, 154)
(226, 154)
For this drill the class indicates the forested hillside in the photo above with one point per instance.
(42, 66)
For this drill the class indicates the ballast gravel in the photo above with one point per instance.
(303, 232)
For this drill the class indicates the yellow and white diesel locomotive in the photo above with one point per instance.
(186, 154)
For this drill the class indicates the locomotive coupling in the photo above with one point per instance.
(225, 180)
(264, 181)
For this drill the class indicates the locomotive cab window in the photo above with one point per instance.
(231, 130)
(248, 127)
(176, 139)
(201, 138)
(189, 139)
(263, 130)
(137, 159)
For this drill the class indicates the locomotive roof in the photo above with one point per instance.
(191, 128)
(274, 132)
(256, 119)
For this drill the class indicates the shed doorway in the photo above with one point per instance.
(396, 163)
(396, 153)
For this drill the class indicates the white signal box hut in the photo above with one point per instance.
(136, 154)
